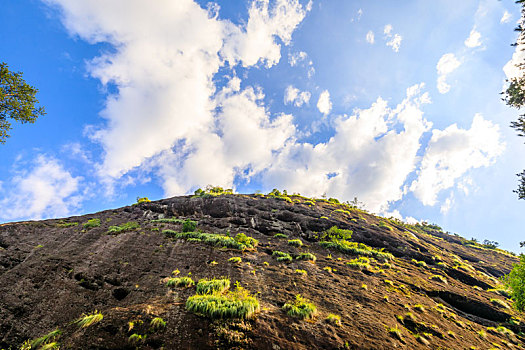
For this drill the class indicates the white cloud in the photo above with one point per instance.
(394, 39)
(511, 68)
(163, 63)
(370, 37)
(45, 190)
(371, 160)
(447, 204)
(451, 153)
(256, 42)
(474, 39)
(388, 30)
(295, 96)
(324, 105)
(506, 17)
(296, 57)
(446, 65)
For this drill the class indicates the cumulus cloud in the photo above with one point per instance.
(474, 39)
(43, 190)
(366, 157)
(324, 105)
(506, 17)
(295, 96)
(370, 37)
(393, 39)
(164, 59)
(452, 152)
(446, 65)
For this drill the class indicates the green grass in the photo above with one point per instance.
(500, 303)
(282, 256)
(295, 242)
(211, 286)
(419, 308)
(301, 272)
(334, 319)
(301, 308)
(419, 263)
(336, 233)
(168, 221)
(395, 332)
(63, 224)
(355, 248)
(157, 323)
(233, 304)
(189, 225)
(306, 256)
(382, 224)
(439, 278)
(128, 226)
(92, 223)
(240, 241)
(49, 338)
(137, 338)
(280, 235)
(183, 282)
(235, 260)
(89, 320)
(359, 263)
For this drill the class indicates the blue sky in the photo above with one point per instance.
(394, 103)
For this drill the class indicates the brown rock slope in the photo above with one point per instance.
(437, 291)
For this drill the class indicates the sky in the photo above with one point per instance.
(395, 103)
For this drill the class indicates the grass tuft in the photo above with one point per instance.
(157, 323)
(295, 242)
(128, 226)
(181, 282)
(334, 319)
(92, 223)
(233, 304)
(280, 235)
(235, 260)
(301, 308)
(50, 337)
(89, 320)
(282, 256)
(206, 286)
(306, 256)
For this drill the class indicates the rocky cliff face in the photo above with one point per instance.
(402, 287)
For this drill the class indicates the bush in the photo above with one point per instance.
(249, 242)
(142, 200)
(236, 304)
(206, 286)
(128, 226)
(184, 282)
(515, 282)
(301, 308)
(189, 226)
(306, 256)
(92, 223)
(295, 242)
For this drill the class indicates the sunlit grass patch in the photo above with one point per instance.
(157, 323)
(209, 286)
(168, 221)
(280, 235)
(282, 256)
(128, 226)
(334, 319)
(233, 304)
(355, 248)
(306, 256)
(92, 223)
(300, 308)
(295, 242)
(240, 241)
(235, 260)
(500, 303)
(89, 320)
(439, 278)
(183, 282)
(46, 340)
